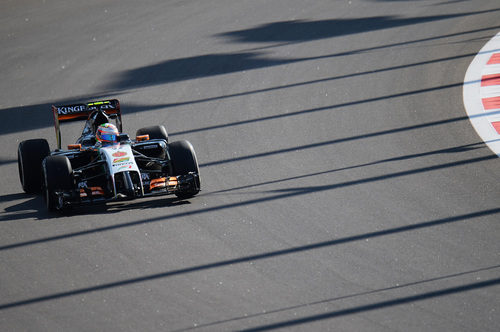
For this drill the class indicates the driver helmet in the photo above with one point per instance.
(107, 133)
(97, 118)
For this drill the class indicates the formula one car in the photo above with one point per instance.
(106, 165)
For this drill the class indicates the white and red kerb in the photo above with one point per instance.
(490, 88)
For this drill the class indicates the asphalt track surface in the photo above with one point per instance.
(344, 188)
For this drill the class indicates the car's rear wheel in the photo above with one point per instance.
(154, 132)
(184, 161)
(30, 155)
(58, 176)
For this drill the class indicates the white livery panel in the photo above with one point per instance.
(119, 158)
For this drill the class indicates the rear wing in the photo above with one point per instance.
(63, 113)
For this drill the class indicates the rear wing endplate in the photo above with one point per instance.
(63, 113)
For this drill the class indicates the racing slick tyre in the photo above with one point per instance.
(183, 162)
(30, 155)
(154, 132)
(58, 176)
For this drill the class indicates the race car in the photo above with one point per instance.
(105, 164)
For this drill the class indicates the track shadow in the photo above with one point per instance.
(256, 257)
(146, 203)
(191, 68)
(12, 197)
(340, 298)
(311, 189)
(303, 30)
(35, 208)
(378, 305)
(4, 161)
(31, 207)
(457, 149)
(288, 31)
(331, 142)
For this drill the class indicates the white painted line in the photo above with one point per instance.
(482, 101)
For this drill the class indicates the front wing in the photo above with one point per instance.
(96, 195)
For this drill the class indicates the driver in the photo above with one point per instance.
(107, 134)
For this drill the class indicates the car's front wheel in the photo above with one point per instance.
(184, 161)
(57, 177)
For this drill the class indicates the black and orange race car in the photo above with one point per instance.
(115, 167)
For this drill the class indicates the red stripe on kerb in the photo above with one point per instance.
(496, 125)
(495, 59)
(488, 80)
(491, 103)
